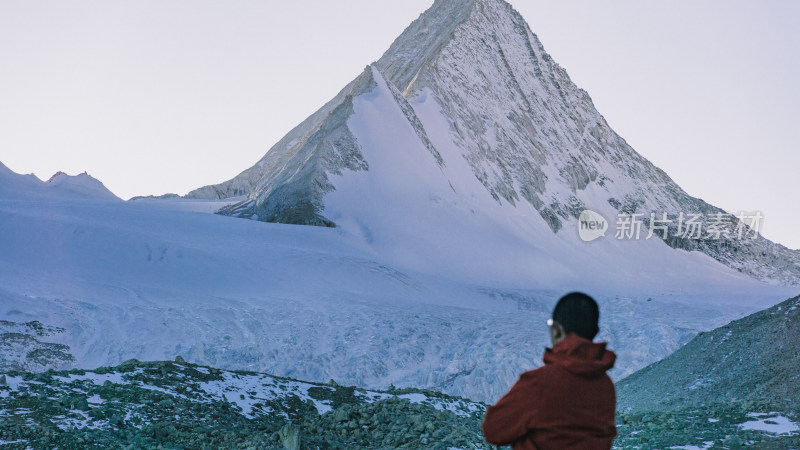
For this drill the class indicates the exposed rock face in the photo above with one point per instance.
(23, 346)
(528, 133)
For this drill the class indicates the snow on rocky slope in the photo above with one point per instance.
(179, 405)
(477, 117)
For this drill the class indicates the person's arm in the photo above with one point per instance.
(509, 420)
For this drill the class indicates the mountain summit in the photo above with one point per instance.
(467, 127)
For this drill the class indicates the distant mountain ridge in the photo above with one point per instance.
(476, 86)
(60, 186)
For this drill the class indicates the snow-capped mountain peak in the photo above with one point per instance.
(482, 96)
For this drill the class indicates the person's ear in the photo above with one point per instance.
(559, 331)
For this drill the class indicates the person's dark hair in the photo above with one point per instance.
(577, 313)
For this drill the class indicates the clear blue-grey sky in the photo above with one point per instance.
(155, 96)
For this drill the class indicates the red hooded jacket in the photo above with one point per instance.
(569, 403)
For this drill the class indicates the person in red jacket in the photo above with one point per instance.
(570, 402)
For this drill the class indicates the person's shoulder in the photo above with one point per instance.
(539, 372)
(540, 380)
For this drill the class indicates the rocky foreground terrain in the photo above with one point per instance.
(174, 404)
(180, 405)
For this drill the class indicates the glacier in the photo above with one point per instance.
(154, 279)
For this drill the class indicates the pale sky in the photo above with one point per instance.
(156, 96)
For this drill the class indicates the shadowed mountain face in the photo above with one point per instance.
(505, 116)
(754, 359)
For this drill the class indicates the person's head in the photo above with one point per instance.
(574, 313)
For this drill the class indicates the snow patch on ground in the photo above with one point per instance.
(770, 423)
(706, 445)
(247, 390)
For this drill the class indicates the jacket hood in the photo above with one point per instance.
(581, 356)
